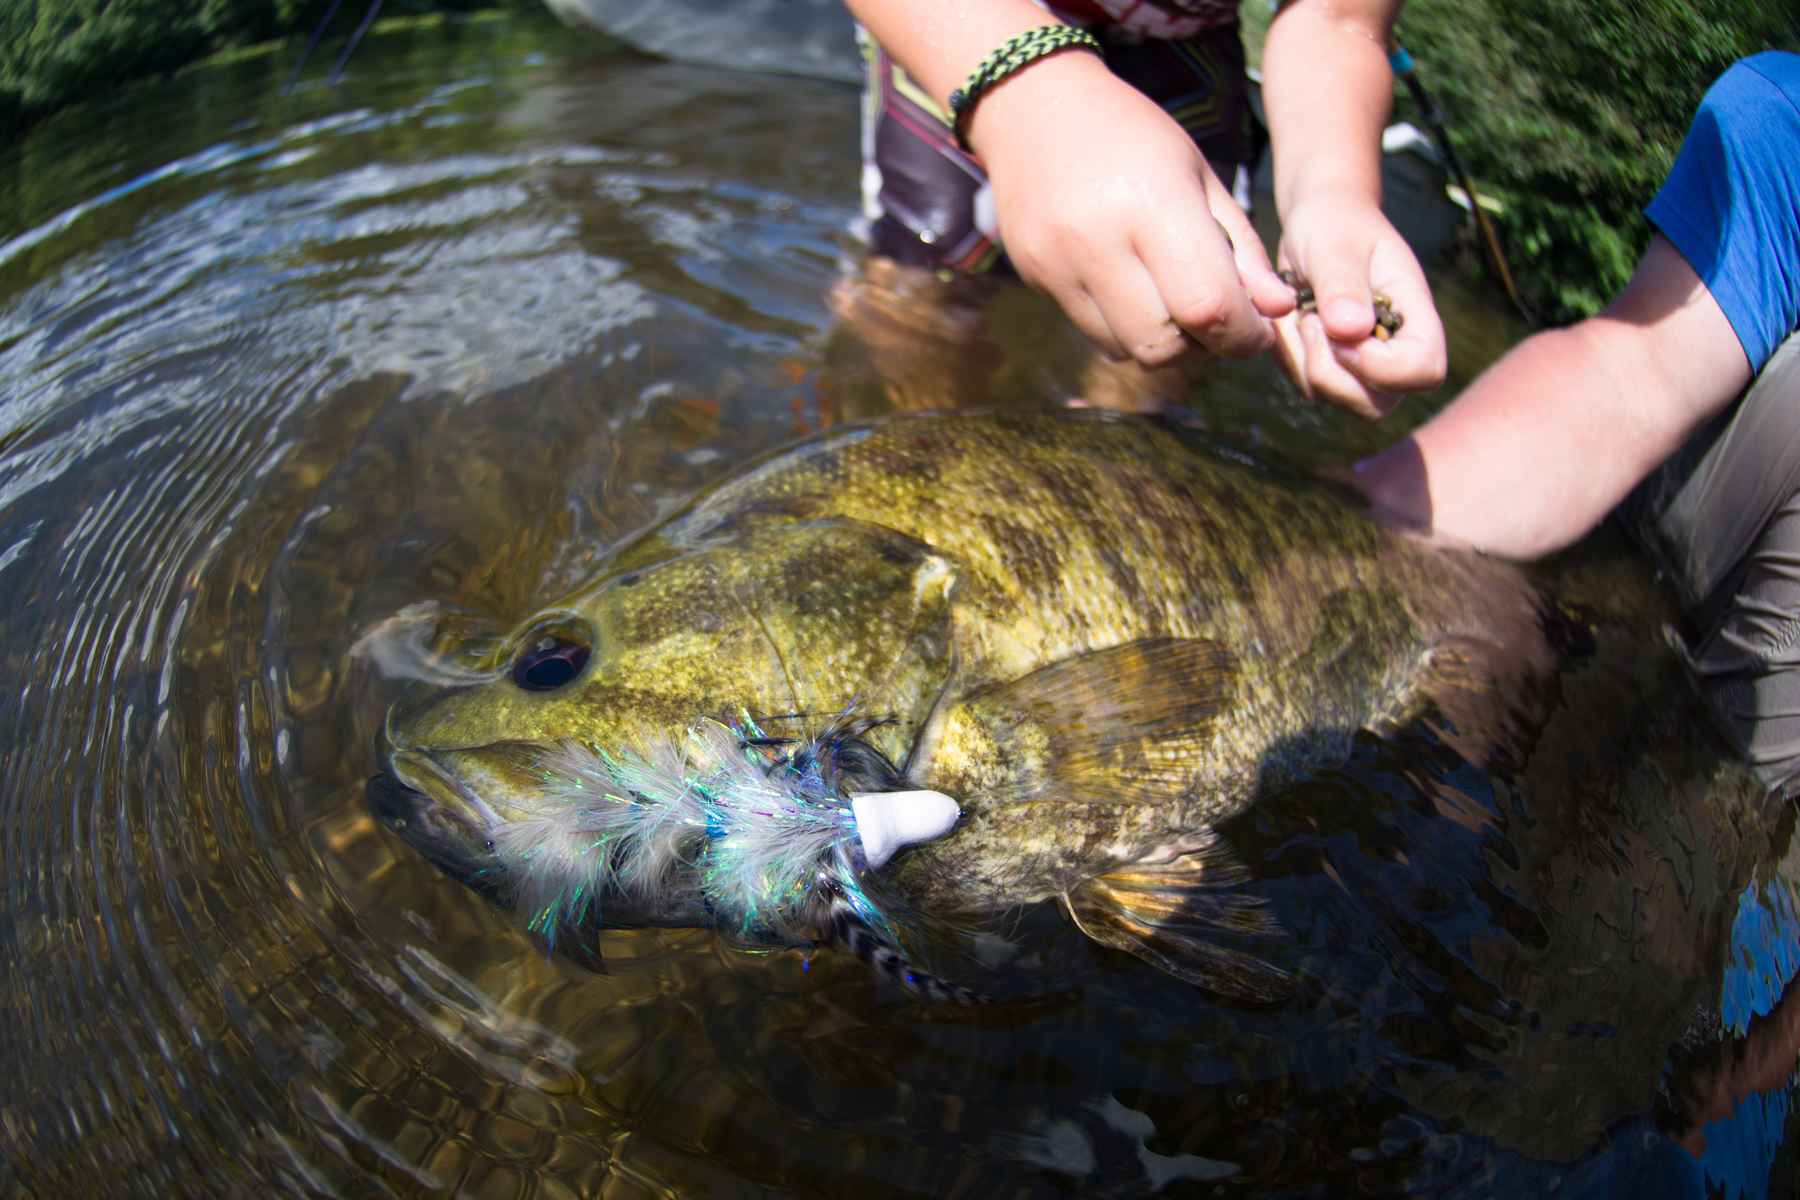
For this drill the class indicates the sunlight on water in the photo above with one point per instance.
(305, 399)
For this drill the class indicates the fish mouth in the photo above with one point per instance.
(425, 775)
(439, 816)
(446, 834)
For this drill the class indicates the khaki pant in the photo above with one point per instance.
(1722, 517)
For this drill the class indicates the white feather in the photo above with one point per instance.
(709, 820)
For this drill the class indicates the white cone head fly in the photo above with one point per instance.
(887, 821)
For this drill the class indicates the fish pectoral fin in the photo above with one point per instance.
(1128, 724)
(1172, 915)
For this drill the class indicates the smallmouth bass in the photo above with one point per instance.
(1097, 638)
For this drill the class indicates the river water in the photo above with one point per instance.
(286, 378)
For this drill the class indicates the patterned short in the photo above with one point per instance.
(928, 203)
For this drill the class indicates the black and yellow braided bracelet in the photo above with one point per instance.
(1014, 53)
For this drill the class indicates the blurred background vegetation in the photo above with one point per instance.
(55, 52)
(1567, 113)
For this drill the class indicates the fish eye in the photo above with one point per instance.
(549, 661)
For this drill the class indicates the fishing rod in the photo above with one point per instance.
(1404, 66)
(312, 44)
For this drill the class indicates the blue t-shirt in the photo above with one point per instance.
(1731, 204)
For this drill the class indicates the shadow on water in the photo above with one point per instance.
(274, 370)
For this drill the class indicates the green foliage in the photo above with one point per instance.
(1572, 113)
(56, 52)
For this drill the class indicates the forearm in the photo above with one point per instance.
(1542, 446)
(939, 42)
(1532, 455)
(1328, 90)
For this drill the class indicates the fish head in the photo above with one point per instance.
(833, 637)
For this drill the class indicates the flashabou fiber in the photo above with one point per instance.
(759, 839)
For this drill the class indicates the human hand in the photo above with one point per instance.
(1349, 252)
(1104, 202)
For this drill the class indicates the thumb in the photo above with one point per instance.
(1340, 284)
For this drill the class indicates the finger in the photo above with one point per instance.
(1050, 272)
(1268, 294)
(1331, 380)
(1134, 310)
(1415, 358)
(1192, 265)
(1290, 352)
(1087, 316)
(1340, 284)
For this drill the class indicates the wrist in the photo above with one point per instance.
(1015, 55)
(1328, 92)
(1341, 184)
(940, 42)
(1035, 97)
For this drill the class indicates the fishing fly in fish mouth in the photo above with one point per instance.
(938, 669)
(769, 838)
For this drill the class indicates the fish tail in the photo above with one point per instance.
(889, 962)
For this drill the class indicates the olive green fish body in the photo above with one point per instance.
(1098, 639)
(1066, 536)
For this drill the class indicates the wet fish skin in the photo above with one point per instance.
(1100, 639)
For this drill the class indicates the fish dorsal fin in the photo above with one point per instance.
(1171, 914)
(1126, 725)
